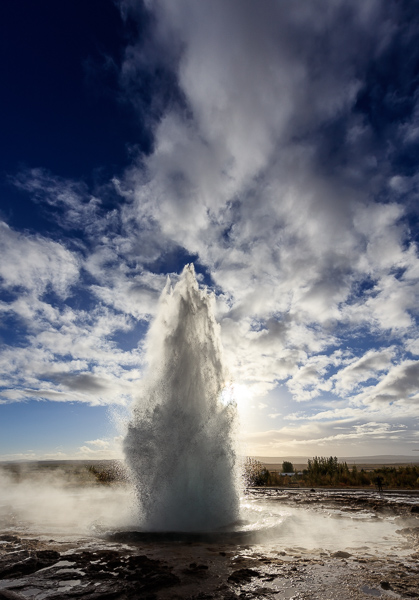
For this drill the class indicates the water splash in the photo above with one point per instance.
(179, 445)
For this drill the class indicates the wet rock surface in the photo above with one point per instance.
(80, 573)
(165, 572)
(388, 502)
(92, 568)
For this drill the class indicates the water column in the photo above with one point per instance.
(179, 447)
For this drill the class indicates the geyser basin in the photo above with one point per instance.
(278, 522)
(179, 446)
(323, 550)
(274, 521)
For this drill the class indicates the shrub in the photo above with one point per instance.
(287, 467)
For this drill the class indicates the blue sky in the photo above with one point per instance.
(273, 145)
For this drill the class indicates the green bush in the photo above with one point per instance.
(328, 471)
(287, 467)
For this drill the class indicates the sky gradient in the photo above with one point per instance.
(275, 145)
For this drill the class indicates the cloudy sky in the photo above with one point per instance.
(273, 144)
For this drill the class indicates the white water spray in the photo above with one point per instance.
(179, 445)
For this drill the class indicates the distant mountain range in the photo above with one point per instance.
(378, 459)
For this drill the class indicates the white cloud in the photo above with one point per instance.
(99, 443)
(77, 209)
(101, 449)
(400, 385)
(265, 168)
(310, 380)
(362, 369)
(240, 177)
(33, 263)
(336, 438)
(71, 358)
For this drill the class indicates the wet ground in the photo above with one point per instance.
(251, 563)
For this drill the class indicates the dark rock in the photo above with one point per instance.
(10, 595)
(409, 531)
(196, 571)
(228, 595)
(263, 591)
(341, 554)
(22, 567)
(91, 593)
(10, 538)
(137, 572)
(48, 555)
(385, 585)
(243, 576)
(26, 562)
(415, 508)
(195, 566)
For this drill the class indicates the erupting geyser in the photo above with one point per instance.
(179, 445)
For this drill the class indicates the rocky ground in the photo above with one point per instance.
(126, 566)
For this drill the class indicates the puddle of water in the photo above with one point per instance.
(305, 528)
(60, 563)
(73, 571)
(6, 583)
(371, 591)
(65, 586)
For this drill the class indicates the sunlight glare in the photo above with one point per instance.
(236, 393)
